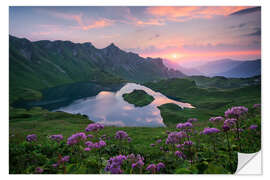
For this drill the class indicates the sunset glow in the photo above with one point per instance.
(178, 34)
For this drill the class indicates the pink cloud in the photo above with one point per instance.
(175, 13)
(100, 23)
(155, 22)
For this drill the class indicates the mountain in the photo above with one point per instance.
(213, 67)
(176, 66)
(243, 70)
(232, 68)
(42, 64)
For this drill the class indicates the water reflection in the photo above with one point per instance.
(109, 108)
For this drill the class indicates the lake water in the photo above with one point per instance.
(109, 108)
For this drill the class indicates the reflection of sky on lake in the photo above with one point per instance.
(109, 108)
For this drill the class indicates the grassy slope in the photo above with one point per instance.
(138, 98)
(45, 123)
(207, 102)
(223, 82)
(45, 69)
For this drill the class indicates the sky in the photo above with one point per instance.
(181, 34)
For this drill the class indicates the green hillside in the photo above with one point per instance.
(43, 64)
(207, 102)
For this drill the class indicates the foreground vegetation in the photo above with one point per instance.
(138, 98)
(186, 148)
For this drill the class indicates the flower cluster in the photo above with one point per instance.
(188, 143)
(236, 112)
(230, 122)
(153, 168)
(179, 154)
(216, 119)
(31, 137)
(56, 137)
(184, 125)
(137, 161)
(175, 137)
(65, 159)
(94, 127)
(114, 164)
(121, 135)
(76, 138)
(210, 130)
(90, 145)
(256, 106)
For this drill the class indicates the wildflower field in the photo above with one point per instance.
(46, 142)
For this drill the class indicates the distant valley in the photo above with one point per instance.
(224, 67)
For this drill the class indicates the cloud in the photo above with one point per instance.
(246, 11)
(186, 13)
(155, 22)
(154, 37)
(81, 24)
(256, 33)
(49, 29)
(238, 26)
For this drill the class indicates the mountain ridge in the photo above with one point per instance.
(43, 64)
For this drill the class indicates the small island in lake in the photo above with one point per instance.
(138, 98)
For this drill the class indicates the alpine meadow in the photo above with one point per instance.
(133, 90)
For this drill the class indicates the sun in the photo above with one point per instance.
(174, 56)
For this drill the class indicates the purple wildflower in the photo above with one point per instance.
(114, 164)
(160, 166)
(253, 127)
(225, 128)
(152, 168)
(256, 106)
(216, 119)
(230, 122)
(210, 130)
(175, 137)
(94, 127)
(180, 146)
(184, 125)
(65, 159)
(39, 170)
(31, 137)
(138, 164)
(129, 139)
(101, 143)
(120, 135)
(152, 145)
(159, 141)
(188, 143)
(55, 165)
(131, 157)
(76, 138)
(90, 136)
(56, 137)
(87, 149)
(179, 154)
(236, 111)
